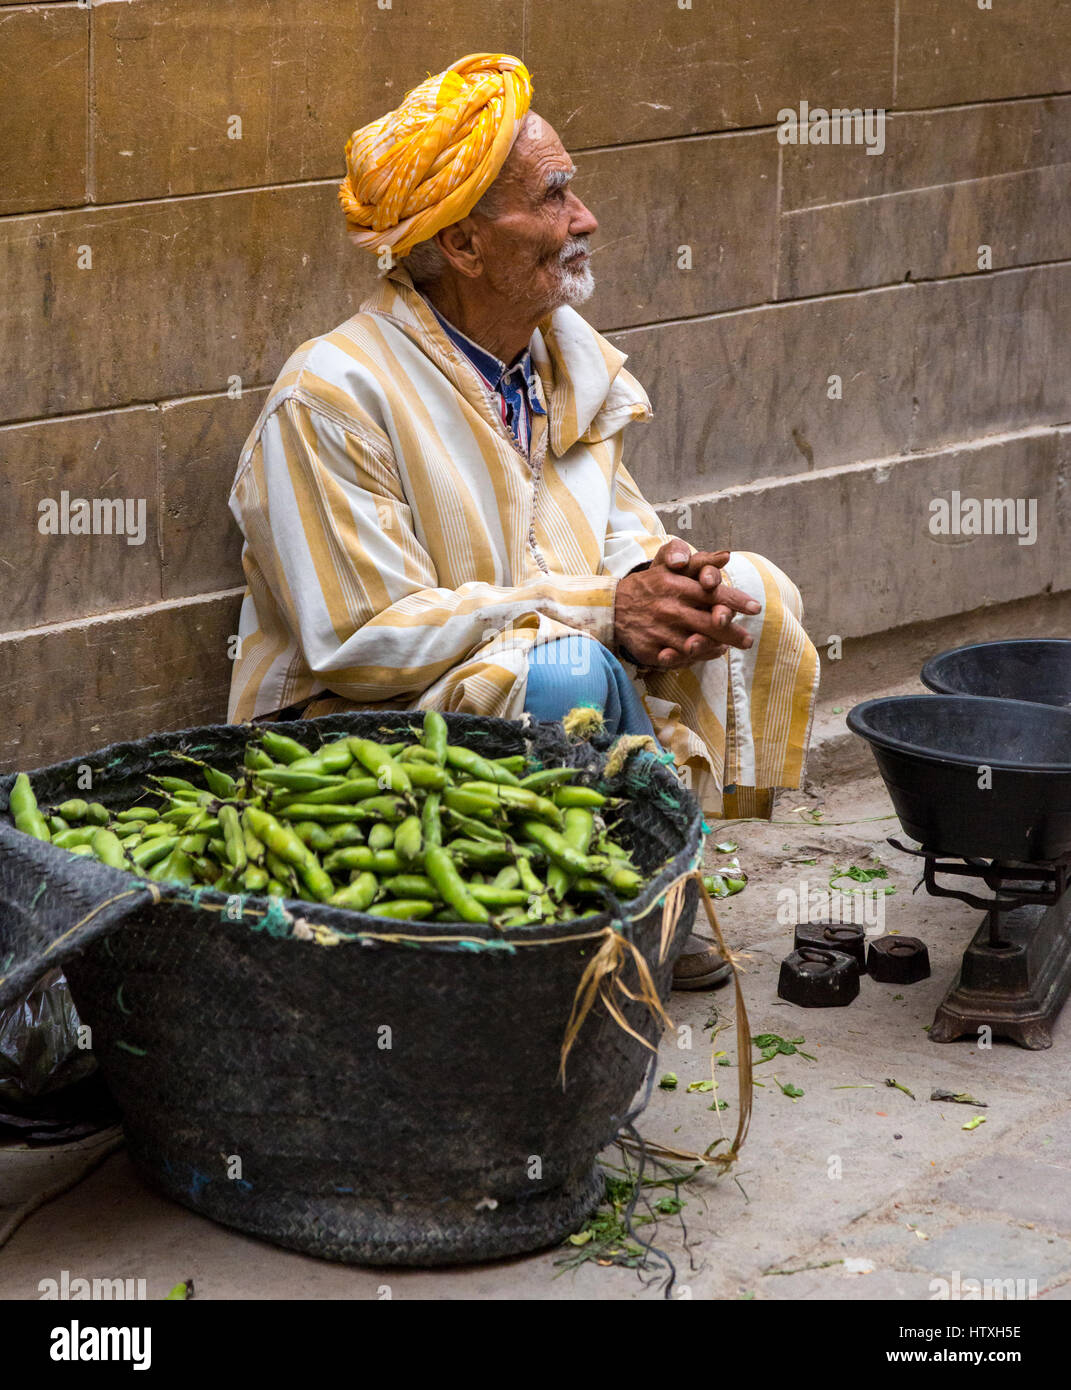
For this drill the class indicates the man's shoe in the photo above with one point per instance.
(701, 966)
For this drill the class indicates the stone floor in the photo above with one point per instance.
(853, 1190)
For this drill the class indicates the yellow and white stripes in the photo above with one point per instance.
(401, 551)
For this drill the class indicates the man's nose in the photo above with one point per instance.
(583, 221)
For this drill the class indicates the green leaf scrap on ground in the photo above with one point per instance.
(730, 880)
(669, 1081)
(718, 1105)
(960, 1098)
(700, 1086)
(181, 1292)
(858, 875)
(890, 1082)
(973, 1124)
(604, 1238)
(727, 847)
(772, 1045)
(793, 1092)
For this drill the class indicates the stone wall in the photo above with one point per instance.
(824, 352)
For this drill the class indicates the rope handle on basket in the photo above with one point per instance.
(603, 975)
(745, 1089)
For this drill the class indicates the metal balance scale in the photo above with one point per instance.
(979, 774)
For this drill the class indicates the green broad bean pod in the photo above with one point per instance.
(471, 803)
(381, 836)
(76, 835)
(549, 777)
(343, 793)
(520, 797)
(344, 835)
(404, 910)
(154, 851)
(315, 835)
(558, 850)
(108, 850)
(356, 895)
(295, 781)
(24, 808)
(481, 769)
(282, 749)
(409, 840)
(255, 879)
(389, 773)
(435, 735)
(431, 820)
(579, 796)
(233, 838)
(276, 837)
(410, 886)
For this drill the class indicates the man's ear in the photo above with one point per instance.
(459, 243)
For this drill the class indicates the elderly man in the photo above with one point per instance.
(433, 500)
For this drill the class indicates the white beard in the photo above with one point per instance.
(576, 286)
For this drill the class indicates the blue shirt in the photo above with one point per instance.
(514, 387)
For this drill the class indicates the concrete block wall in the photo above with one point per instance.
(169, 232)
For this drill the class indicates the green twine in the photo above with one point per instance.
(276, 921)
(129, 1047)
(40, 889)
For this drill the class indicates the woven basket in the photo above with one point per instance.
(371, 1102)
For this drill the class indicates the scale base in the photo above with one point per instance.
(1016, 989)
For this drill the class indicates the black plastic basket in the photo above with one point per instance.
(365, 1101)
(1027, 668)
(932, 751)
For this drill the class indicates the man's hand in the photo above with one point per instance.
(680, 610)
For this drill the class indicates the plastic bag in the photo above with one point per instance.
(39, 1043)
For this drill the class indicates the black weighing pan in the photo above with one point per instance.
(1036, 669)
(933, 751)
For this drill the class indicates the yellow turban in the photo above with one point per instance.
(426, 165)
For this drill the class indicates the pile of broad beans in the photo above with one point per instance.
(415, 829)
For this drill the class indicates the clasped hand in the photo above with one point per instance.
(680, 610)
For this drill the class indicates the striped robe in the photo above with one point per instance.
(402, 552)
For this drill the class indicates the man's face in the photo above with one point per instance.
(536, 246)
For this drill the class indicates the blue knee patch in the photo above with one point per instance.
(566, 672)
